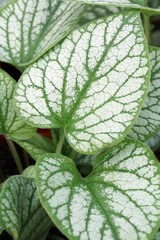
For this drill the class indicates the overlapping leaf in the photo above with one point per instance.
(1, 227)
(93, 84)
(37, 145)
(10, 123)
(20, 210)
(29, 28)
(139, 4)
(148, 122)
(118, 200)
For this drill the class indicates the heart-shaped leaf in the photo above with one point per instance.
(29, 28)
(4, 2)
(10, 123)
(20, 210)
(139, 4)
(37, 145)
(118, 200)
(148, 122)
(93, 84)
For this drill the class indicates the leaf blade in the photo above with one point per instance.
(40, 25)
(120, 192)
(10, 123)
(21, 212)
(81, 84)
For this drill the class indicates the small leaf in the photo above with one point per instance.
(93, 84)
(157, 237)
(139, 4)
(148, 122)
(84, 163)
(1, 227)
(29, 172)
(37, 145)
(154, 142)
(39, 26)
(118, 200)
(10, 123)
(21, 212)
(4, 2)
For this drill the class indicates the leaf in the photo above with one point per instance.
(84, 163)
(93, 84)
(37, 145)
(154, 142)
(29, 172)
(118, 200)
(39, 26)
(157, 237)
(97, 11)
(135, 4)
(21, 212)
(4, 2)
(148, 122)
(10, 123)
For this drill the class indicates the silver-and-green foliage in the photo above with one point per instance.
(21, 212)
(29, 28)
(118, 200)
(148, 122)
(10, 123)
(93, 84)
(4, 2)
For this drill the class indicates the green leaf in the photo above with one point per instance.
(21, 212)
(39, 26)
(93, 84)
(29, 172)
(135, 4)
(97, 11)
(4, 2)
(154, 142)
(10, 123)
(157, 237)
(118, 200)
(84, 163)
(148, 122)
(37, 145)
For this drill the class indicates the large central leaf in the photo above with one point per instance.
(93, 84)
(29, 28)
(119, 200)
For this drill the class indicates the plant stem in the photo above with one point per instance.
(54, 137)
(60, 143)
(26, 158)
(147, 27)
(73, 154)
(15, 155)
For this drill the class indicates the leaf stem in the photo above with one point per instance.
(15, 154)
(73, 154)
(54, 137)
(146, 26)
(61, 141)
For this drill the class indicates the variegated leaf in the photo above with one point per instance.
(29, 28)
(10, 123)
(119, 200)
(148, 122)
(154, 142)
(93, 84)
(20, 210)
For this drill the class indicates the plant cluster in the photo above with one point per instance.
(90, 72)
